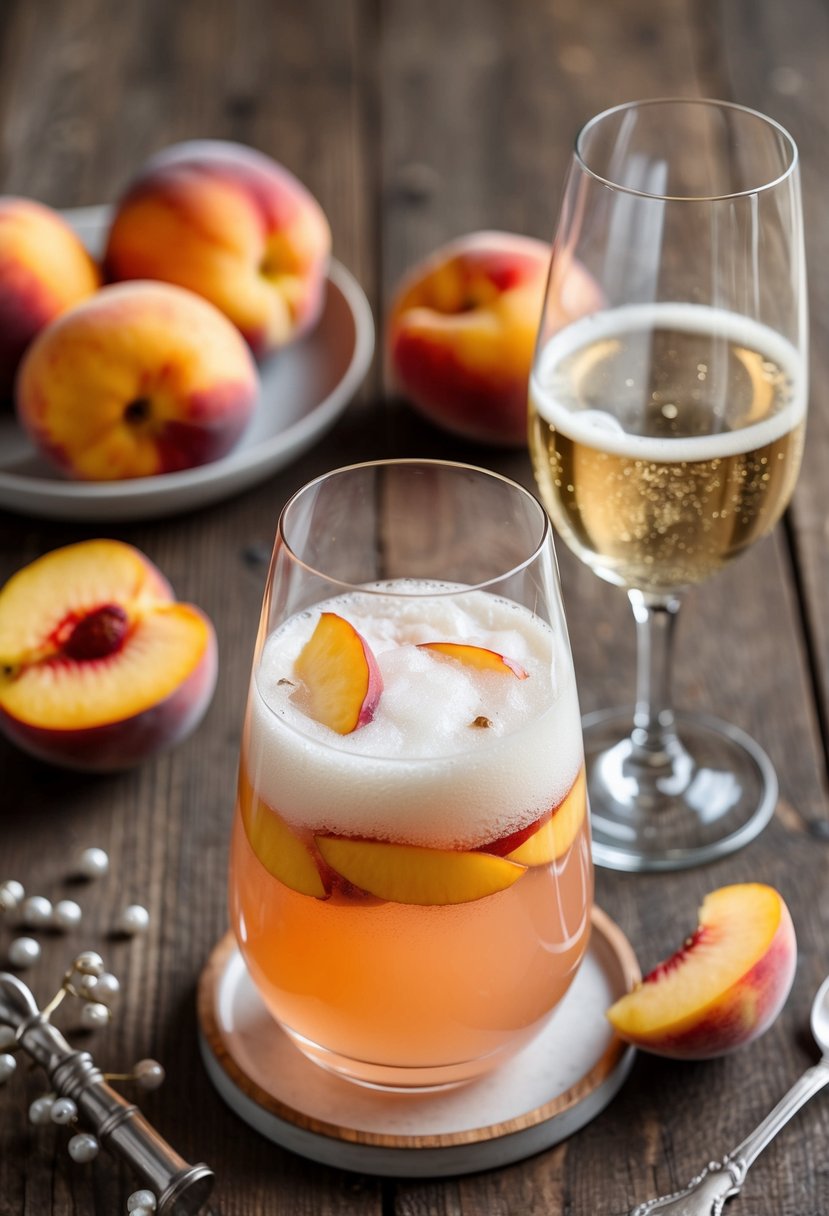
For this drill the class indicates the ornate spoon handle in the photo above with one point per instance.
(706, 1194)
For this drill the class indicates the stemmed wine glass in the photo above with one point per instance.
(667, 421)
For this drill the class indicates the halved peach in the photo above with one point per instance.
(279, 849)
(476, 656)
(555, 835)
(99, 666)
(723, 987)
(341, 682)
(409, 874)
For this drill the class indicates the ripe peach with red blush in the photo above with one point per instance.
(232, 225)
(462, 329)
(140, 379)
(100, 666)
(44, 269)
(723, 987)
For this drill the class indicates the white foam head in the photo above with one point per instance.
(420, 772)
(597, 429)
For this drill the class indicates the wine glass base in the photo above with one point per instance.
(717, 793)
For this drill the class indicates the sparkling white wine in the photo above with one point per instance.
(666, 439)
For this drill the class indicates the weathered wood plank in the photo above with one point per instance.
(413, 124)
(87, 90)
(478, 134)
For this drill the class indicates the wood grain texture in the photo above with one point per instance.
(412, 124)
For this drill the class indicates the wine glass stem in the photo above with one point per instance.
(654, 740)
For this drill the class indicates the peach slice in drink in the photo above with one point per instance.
(723, 987)
(341, 682)
(478, 657)
(555, 835)
(410, 874)
(279, 849)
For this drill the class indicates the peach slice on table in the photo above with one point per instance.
(410, 874)
(476, 656)
(556, 834)
(723, 987)
(99, 665)
(341, 682)
(279, 849)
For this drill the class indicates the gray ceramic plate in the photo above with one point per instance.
(304, 390)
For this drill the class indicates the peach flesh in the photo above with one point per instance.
(725, 985)
(121, 672)
(341, 682)
(119, 745)
(476, 656)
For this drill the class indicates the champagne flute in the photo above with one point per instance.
(667, 418)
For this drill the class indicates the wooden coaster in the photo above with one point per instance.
(550, 1089)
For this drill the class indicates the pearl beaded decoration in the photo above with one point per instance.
(94, 1015)
(86, 986)
(40, 1111)
(106, 987)
(66, 914)
(8, 1064)
(139, 1200)
(89, 962)
(149, 1074)
(133, 920)
(11, 894)
(63, 1111)
(93, 863)
(24, 952)
(36, 912)
(83, 1147)
(8, 1038)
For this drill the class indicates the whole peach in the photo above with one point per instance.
(462, 328)
(44, 269)
(232, 225)
(142, 378)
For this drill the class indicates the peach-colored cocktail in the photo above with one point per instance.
(410, 877)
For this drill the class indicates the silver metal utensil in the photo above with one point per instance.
(182, 1189)
(706, 1194)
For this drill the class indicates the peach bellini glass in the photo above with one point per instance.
(666, 431)
(410, 877)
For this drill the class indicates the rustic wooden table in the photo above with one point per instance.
(413, 123)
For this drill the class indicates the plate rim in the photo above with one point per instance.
(240, 467)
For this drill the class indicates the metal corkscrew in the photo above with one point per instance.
(181, 1189)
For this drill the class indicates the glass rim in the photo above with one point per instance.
(414, 462)
(710, 102)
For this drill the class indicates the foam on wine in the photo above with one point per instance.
(553, 396)
(421, 772)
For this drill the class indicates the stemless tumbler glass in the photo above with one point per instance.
(410, 879)
(666, 428)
